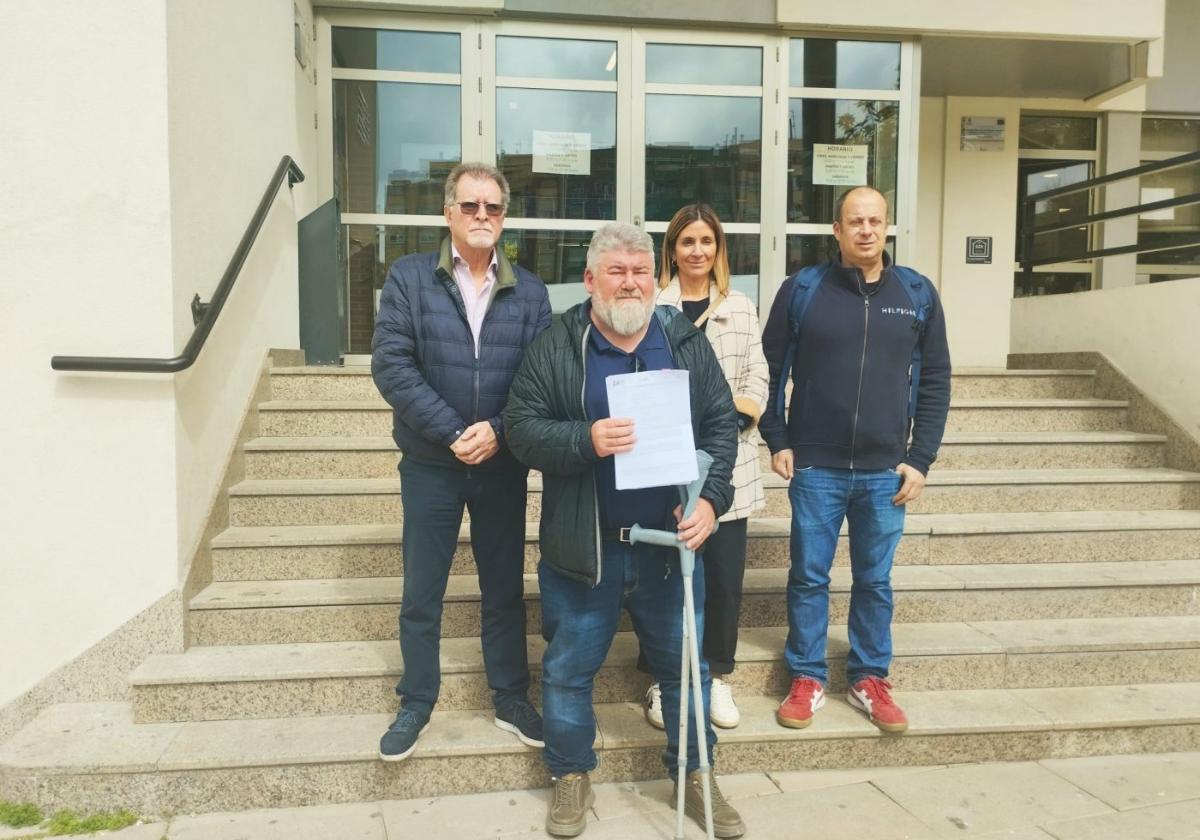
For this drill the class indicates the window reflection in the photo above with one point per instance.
(386, 161)
(699, 64)
(592, 117)
(824, 63)
(389, 49)
(1057, 132)
(370, 251)
(1038, 176)
(556, 256)
(703, 148)
(555, 58)
(869, 123)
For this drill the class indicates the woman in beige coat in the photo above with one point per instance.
(694, 277)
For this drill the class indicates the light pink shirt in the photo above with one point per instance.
(476, 302)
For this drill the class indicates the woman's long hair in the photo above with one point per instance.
(683, 217)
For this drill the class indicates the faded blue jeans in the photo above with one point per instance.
(821, 499)
(578, 623)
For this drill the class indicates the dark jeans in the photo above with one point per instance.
(821, 500)
(578, 623)
(724, 568)
(433, 498)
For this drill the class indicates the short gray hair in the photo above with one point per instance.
(618, 236)
(479, 171)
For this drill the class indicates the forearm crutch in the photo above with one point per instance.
(689, 667)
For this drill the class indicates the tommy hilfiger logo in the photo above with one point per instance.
(899, 310)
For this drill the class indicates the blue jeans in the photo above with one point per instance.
(433, 497)
(821, 499)
(578, 623)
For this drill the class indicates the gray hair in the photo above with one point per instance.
(479, 171)
(618, 236)
(841, 200)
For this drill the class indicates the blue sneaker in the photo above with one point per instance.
(523, 720)
(400, 740)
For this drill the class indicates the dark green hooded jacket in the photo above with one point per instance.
(546, 428)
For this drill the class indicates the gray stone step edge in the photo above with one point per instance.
(917, 524)
(1033, 402)
(333, 660)
(100, 738)
(227, 595)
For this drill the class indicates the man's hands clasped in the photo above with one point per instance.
(476, 444)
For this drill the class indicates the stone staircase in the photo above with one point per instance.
(1047, 604)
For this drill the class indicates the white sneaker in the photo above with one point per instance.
(722, 711)
(653, 704)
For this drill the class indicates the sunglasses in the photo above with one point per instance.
(470, 208)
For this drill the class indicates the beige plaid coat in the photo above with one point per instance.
(733, 331)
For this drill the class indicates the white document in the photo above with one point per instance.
(659, 402)
(562, 152)
(839, 165)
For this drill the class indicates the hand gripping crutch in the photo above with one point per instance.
(689, 667)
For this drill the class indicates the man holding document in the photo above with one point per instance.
(611, 404)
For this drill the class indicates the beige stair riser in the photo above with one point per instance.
(622, 682)
(341, 422)
(963, 386)
(346, 561)
(1048, 386)
(953, 456)
(769, 609)
(232, 789)
(385, 508)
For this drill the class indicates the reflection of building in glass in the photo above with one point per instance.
(419, 192)
(545, 195)
(724, 176)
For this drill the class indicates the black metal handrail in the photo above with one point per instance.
(204, 315)
(1029, 203)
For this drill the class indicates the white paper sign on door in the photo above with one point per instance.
(839, 165)
(562, 152)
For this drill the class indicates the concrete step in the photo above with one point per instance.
(91, 756)
(354, 609)
(289, 552)
(373, 418)
(376, 457)
(344, 501)
(355, 383)
(330, 678)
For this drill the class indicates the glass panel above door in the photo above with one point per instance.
(707, 149)
(558, 149)
(825, 63)
(393, 49)
(386, 161)
(556, 58)
(703, 64)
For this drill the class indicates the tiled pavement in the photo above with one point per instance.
(1125, 797)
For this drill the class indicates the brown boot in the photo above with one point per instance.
(726, 820)
(569, 808)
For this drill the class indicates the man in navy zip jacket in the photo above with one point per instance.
(451, 331)
(851, 451)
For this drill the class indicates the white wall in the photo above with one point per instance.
(1149, 332)
(1119, 20)
(979, 198)
(223, 149)
(930, 165)
(87, 509)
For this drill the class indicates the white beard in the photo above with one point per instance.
(625, 317)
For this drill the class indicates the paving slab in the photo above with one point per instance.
(967, 800)
(363, 821)
(1177, 821)
(620, 799)
(1126, 782)
(479, 815)
(849, 811)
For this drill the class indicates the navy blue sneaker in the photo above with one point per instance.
(400, 740)
(521, 719)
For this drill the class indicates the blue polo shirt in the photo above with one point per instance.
(650, 507)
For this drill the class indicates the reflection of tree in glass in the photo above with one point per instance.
(862, 128)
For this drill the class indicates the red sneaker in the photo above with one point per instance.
(805, 697)
(871, 695)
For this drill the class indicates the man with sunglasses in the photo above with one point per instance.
(452, 328)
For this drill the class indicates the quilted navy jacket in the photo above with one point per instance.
(423, 353)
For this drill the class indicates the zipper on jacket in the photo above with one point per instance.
(862, 364)
(595, 490)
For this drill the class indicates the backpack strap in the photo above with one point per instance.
(805, 283)
(920, 295)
